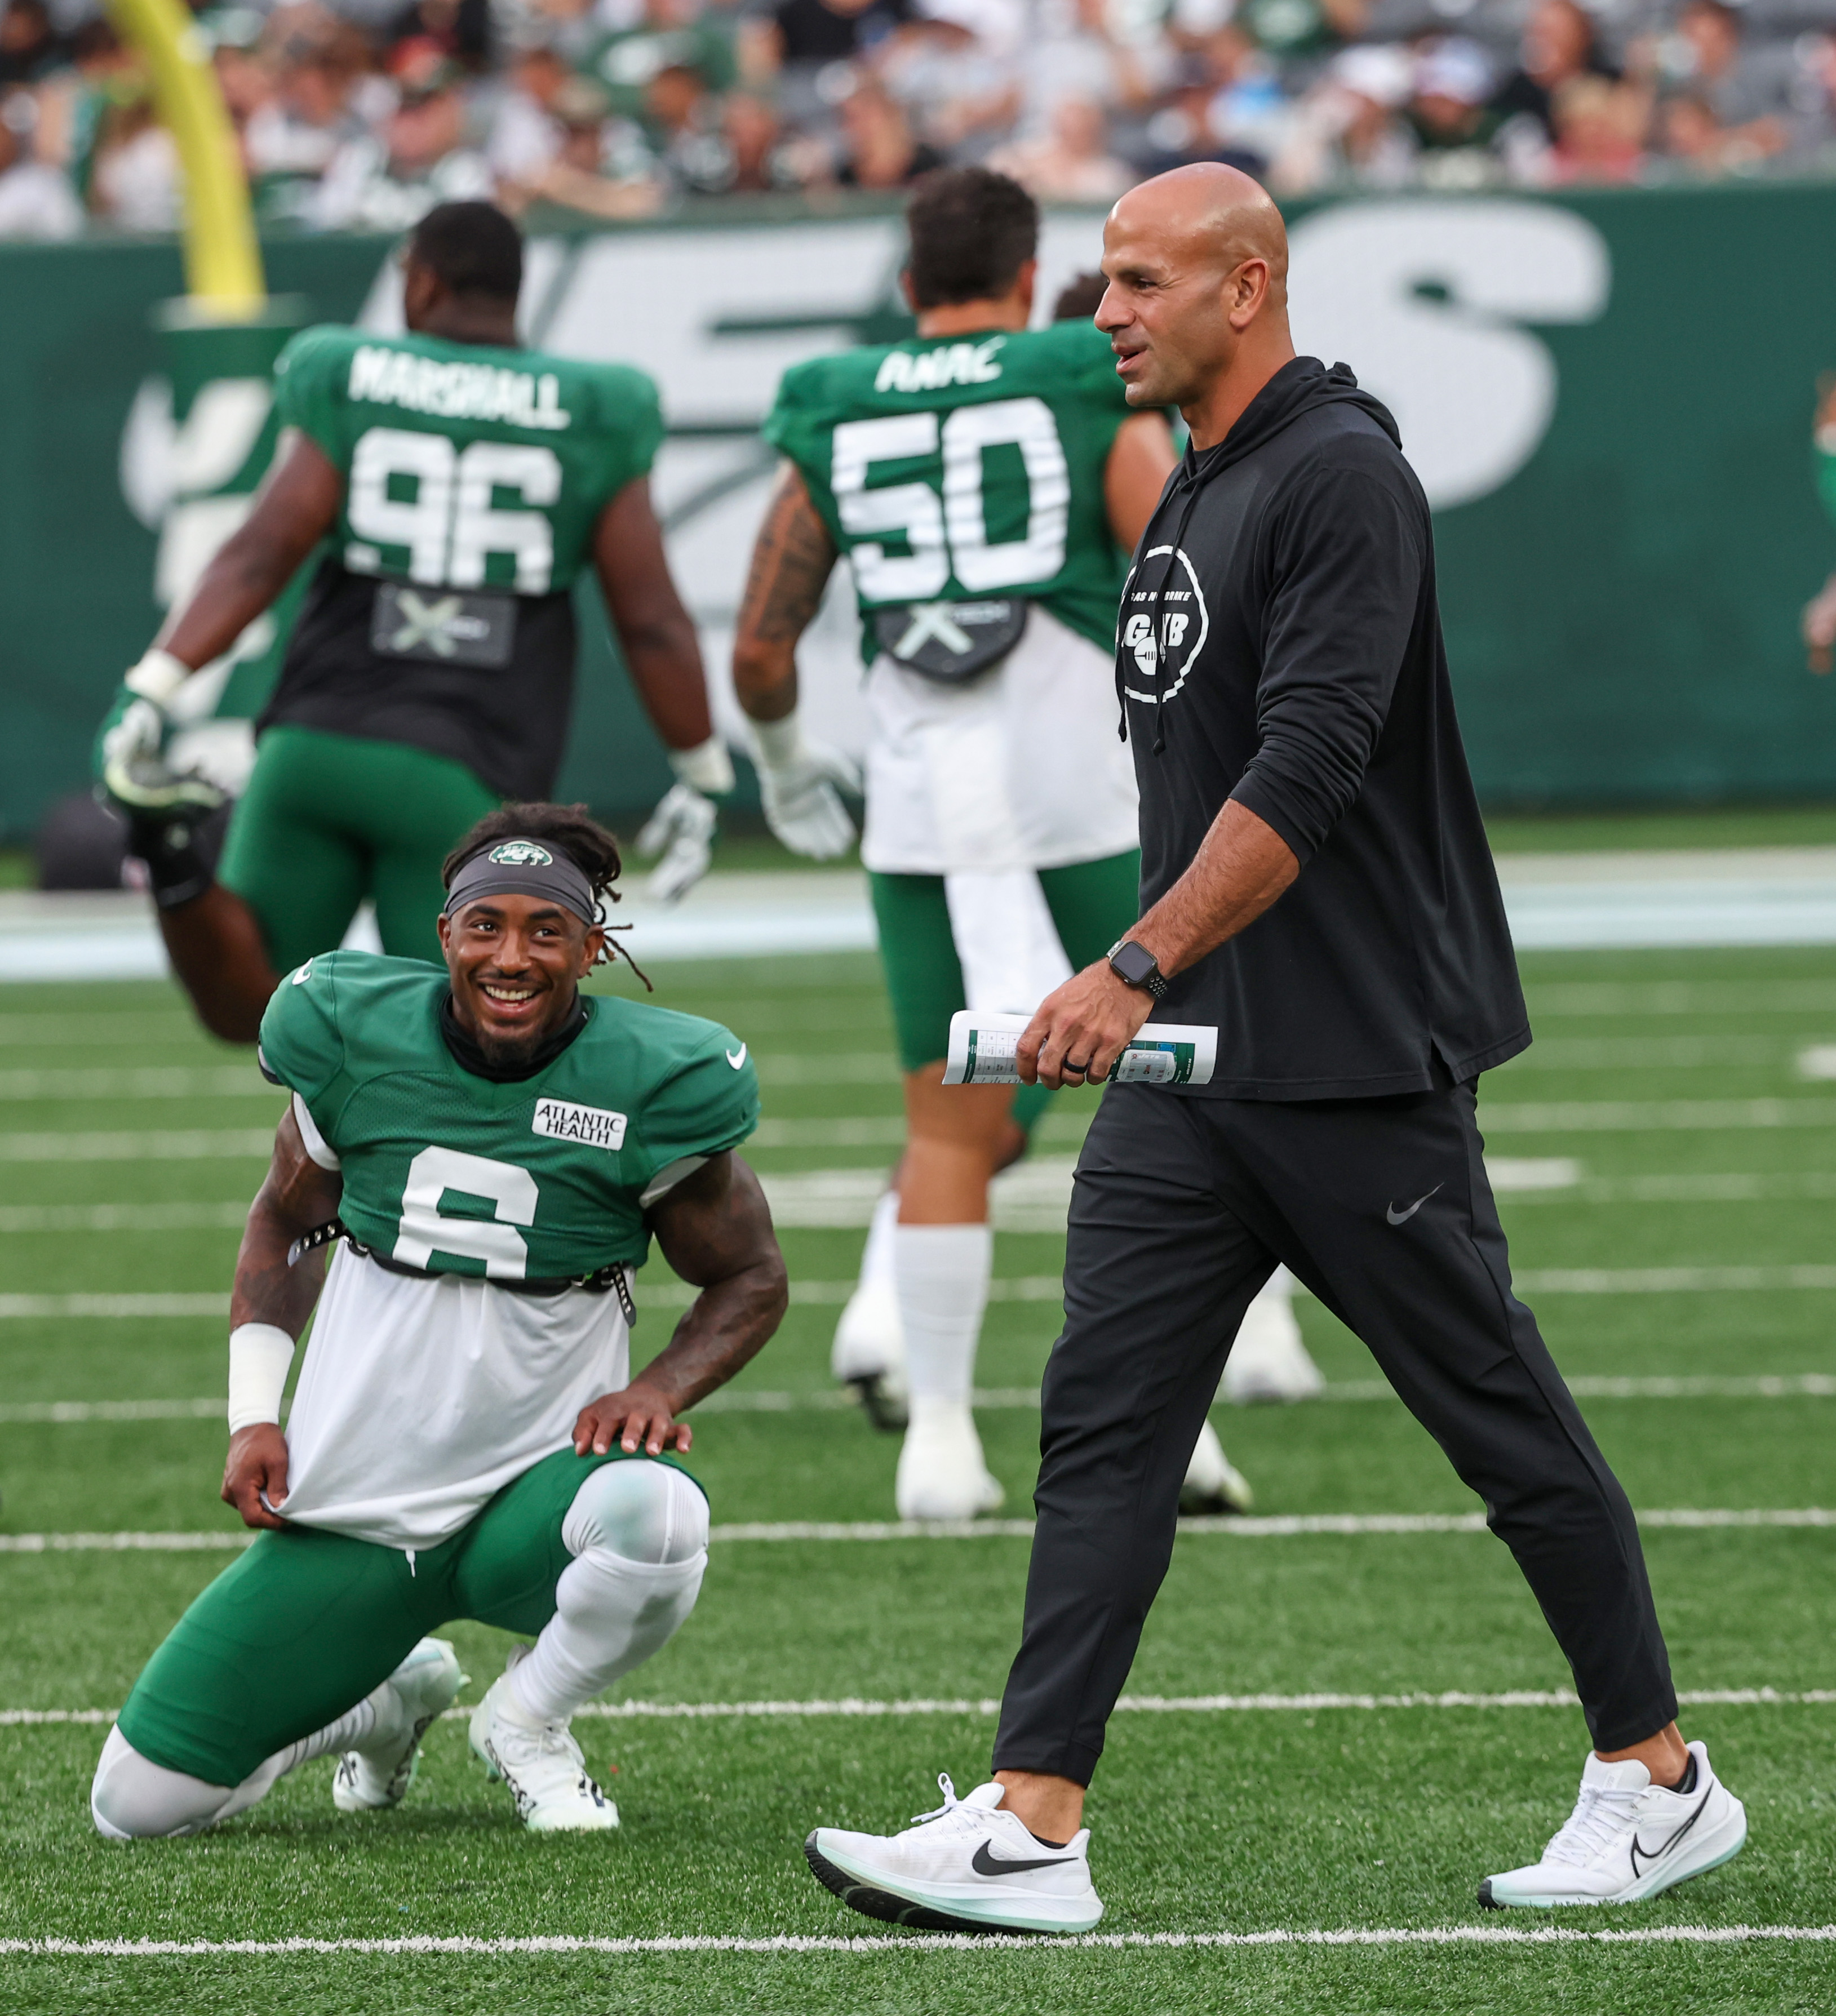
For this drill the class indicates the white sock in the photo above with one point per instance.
(876, 1260)
(637, 1532)
(944, 1272)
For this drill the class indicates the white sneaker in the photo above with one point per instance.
(942, 1475)
(541, 1764)
(1213, 1483)
(1268, 1360)
(1628, 1839)
(869, 1354)
(970, 1867)
(414, 1697)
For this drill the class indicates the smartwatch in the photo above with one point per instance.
(1135, 966)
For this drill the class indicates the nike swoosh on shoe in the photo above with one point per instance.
(985, 1864)
(1651, 1855)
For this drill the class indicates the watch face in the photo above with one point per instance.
(1132, 963)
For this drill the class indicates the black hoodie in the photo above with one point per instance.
(1290, 572)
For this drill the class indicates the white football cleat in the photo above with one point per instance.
(1269, 1361)
(1213, 1483)
(541, 1763)
(942, 1475)
(414, 1697)
(1628, 1839)
(970, 1867)
(869, 1353)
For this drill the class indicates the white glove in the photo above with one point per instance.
(134, 767)
(798, 781)
(681, 829)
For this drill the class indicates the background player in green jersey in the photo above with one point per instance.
(986, 482)
(497, 1153)
(461, 484)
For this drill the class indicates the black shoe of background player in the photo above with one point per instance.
(180, 847)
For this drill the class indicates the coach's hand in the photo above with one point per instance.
(640, 1417)
(1082, 1028)
(257, 1462)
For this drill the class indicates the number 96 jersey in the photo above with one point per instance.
(474, 477)
(963, 478)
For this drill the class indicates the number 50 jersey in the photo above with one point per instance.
(962, 477)
(441, 615)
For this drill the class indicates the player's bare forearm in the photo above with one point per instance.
(655, 631)
(1242, 866)
(1081, 1028)
(714, 1228)
(297, 1197)
(293, 510)
(792, 560)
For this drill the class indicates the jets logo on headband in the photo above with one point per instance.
(521, 854)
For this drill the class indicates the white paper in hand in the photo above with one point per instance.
(982, 1048)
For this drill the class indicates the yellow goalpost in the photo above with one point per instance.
(222, 257)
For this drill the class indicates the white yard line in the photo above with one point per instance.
(853, 1708)
(1285, 1527)
(218, 1144)
(1613, 1116)
(789, 1945)
(987, 1399)
(36, 1218)
(1017, 1288)
(158, 1082)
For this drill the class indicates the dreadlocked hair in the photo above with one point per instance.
(569, 829)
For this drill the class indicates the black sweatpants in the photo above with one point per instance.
(1382, 1207)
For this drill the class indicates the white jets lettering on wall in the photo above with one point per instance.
(1427, 302)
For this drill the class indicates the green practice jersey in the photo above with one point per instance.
(455, 1174)
(961, 467)
(467, 466)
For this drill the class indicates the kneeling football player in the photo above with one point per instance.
(495, 1152)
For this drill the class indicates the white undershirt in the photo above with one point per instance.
(420, 1399)
(1019, 769)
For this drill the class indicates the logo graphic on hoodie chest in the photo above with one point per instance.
(1164, 624)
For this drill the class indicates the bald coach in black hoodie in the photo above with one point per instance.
(1316, 884)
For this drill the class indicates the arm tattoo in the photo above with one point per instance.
(791, 564)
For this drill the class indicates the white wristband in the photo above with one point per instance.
(780, 743)
(157, 677)
(260, 1354)
(707, 767)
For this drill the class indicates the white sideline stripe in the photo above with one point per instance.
(987, 1399)
(1284, 1527)
(850, 1708)
(791, 1943)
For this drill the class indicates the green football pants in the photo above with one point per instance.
(1092, 903)
(306, 1623)
(329, 820)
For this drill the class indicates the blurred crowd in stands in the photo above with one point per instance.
(359, 114)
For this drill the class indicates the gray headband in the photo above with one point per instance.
(524, 868)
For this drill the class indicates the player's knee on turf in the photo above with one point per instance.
(132, 1798)
(649, 1513)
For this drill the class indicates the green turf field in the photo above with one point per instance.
(1669, 1083)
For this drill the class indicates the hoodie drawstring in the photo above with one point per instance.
(1159, 614)
(1188, 477)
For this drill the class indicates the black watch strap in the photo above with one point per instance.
(1135, 966)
